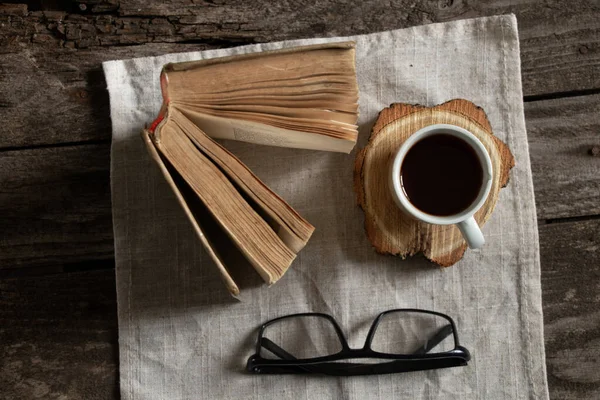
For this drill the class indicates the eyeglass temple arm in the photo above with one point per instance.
(284, 355)
(278, 351)
(436, 339)
(338, 369)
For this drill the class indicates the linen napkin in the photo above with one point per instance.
(182, 336)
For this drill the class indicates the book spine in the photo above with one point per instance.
(163, 109)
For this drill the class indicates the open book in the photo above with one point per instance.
(303, 97)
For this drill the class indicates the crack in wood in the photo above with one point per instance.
(56, 213)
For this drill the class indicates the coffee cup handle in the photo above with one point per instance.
(471, 232)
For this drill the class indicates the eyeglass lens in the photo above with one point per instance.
(408, 332)
(301, 337)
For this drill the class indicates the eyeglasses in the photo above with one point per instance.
(400, 340)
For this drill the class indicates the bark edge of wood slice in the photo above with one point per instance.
(387, 228)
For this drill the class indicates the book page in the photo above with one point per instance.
(254, 132)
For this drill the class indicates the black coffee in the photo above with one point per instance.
(441, 175)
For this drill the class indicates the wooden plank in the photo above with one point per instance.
(570, 256)
(564, 145)
(57, 201)
(50, 60)
(59, 332)
(59, 95)
(59, 337)
(55, 206)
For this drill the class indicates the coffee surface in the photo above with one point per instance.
(441, 175)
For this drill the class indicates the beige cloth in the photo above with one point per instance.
(181, 334)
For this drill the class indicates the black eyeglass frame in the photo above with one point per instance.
(329, 365)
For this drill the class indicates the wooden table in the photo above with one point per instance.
(58, 314)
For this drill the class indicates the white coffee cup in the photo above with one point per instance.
(464, 220)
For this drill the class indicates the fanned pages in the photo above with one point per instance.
(304, 97)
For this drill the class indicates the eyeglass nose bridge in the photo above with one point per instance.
(371, 333)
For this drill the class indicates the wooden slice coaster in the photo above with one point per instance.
(389, 230)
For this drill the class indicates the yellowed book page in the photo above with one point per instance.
(225, 275)
(181, 66)
(273, 90)
(251, 234)
(304, 113)
(255, 132)
(292, 228)
(326, 127)
(342, 84)
(274, 66)
(323, 101)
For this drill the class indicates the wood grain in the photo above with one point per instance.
(570, 257)
(59, 95)
(55, 206)
(50, 58)
(56, 202)
(59, 331)
(562, 135)
(389, 230)
(59, 337)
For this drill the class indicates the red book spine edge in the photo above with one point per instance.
(163, 109)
